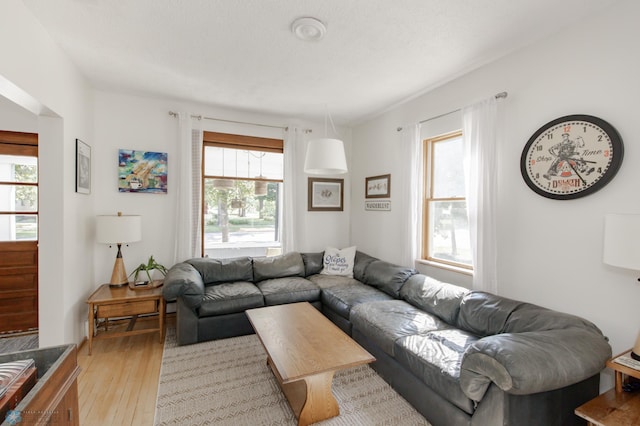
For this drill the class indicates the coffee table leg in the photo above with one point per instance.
(311, 398)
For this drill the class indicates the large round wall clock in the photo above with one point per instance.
(571, 157)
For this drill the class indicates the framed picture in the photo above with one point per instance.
(142, 171)
(326, 195)
(83, 167)
(378, 186)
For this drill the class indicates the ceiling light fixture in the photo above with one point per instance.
(308, 29)
(325, 156)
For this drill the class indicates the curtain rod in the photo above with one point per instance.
(498, 96)
(200, 117)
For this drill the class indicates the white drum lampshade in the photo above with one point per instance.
(118, 229)
(622, 249)
(622, 240)
(325, 157)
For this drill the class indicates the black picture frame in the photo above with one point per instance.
(83, 167)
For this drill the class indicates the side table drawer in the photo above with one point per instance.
(127, 309)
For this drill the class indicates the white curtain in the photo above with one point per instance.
(188, 179)
(411, 193)
(292, 140)
(481, 130)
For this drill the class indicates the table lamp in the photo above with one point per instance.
(118, 229)
(622, 249)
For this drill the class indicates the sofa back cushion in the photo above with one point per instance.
(434, 297)
(529, 317)
(387, 277)
(287, 265)
(218, 271)
(312, 263)
(362, 260)
(485, 314)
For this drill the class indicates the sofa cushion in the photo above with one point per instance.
(279, 291)
(362, 260)
(186, 282)
(286, 265)
(435, 358)
(386, 321)
(338, 262)
(229, 298)
(312, 263)
(387, 276)
(342, 298)
(485, 314)
(328, 281)
(437, 298)
(529, 317)
(216, 271)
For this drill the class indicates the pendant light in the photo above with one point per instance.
(325, 156)
(260, 186)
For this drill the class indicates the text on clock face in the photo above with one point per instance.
(569, 157)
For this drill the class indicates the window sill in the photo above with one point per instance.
(446, 267)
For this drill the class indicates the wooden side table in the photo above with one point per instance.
(113, 302)
(614, 407)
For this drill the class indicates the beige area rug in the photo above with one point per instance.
(228, 382)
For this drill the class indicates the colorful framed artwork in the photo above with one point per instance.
(378, 186)
(142, 171)
(83, 167)
(325, 195)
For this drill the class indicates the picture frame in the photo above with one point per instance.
(83, 167)
(142, 171)
(325, 195)
(378, 186)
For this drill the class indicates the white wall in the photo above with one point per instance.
(550, 252)
(36, 74)
(133, 122)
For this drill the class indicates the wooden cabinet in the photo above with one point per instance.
(54, 398)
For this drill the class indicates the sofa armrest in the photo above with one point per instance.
(183, 280)
(531, 362)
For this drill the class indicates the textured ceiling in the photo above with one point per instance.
(241, 54)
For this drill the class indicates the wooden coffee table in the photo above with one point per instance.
(304, 351)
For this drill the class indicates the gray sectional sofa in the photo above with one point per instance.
(459, 357)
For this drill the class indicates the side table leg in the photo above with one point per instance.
(619, 381)
(91, 325)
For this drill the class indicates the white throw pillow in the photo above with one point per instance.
(339, 262)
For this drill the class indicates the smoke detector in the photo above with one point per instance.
(308, 29)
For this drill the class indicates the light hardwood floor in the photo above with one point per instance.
(119, 381)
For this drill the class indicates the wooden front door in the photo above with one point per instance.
(18, 232)
(18, 286)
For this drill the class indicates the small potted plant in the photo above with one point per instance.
(147, 268)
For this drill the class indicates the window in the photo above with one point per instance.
(19, 190)
(446, 227)
(242, 191)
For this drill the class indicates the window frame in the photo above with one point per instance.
(428, 198)
(25, 145)
(233, 141)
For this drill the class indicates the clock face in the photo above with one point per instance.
(571, 157)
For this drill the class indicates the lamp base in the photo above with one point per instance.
(119, 275)
(635, 356)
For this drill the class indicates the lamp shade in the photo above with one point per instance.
(111, 229)
(325, 157)
(622, 240)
